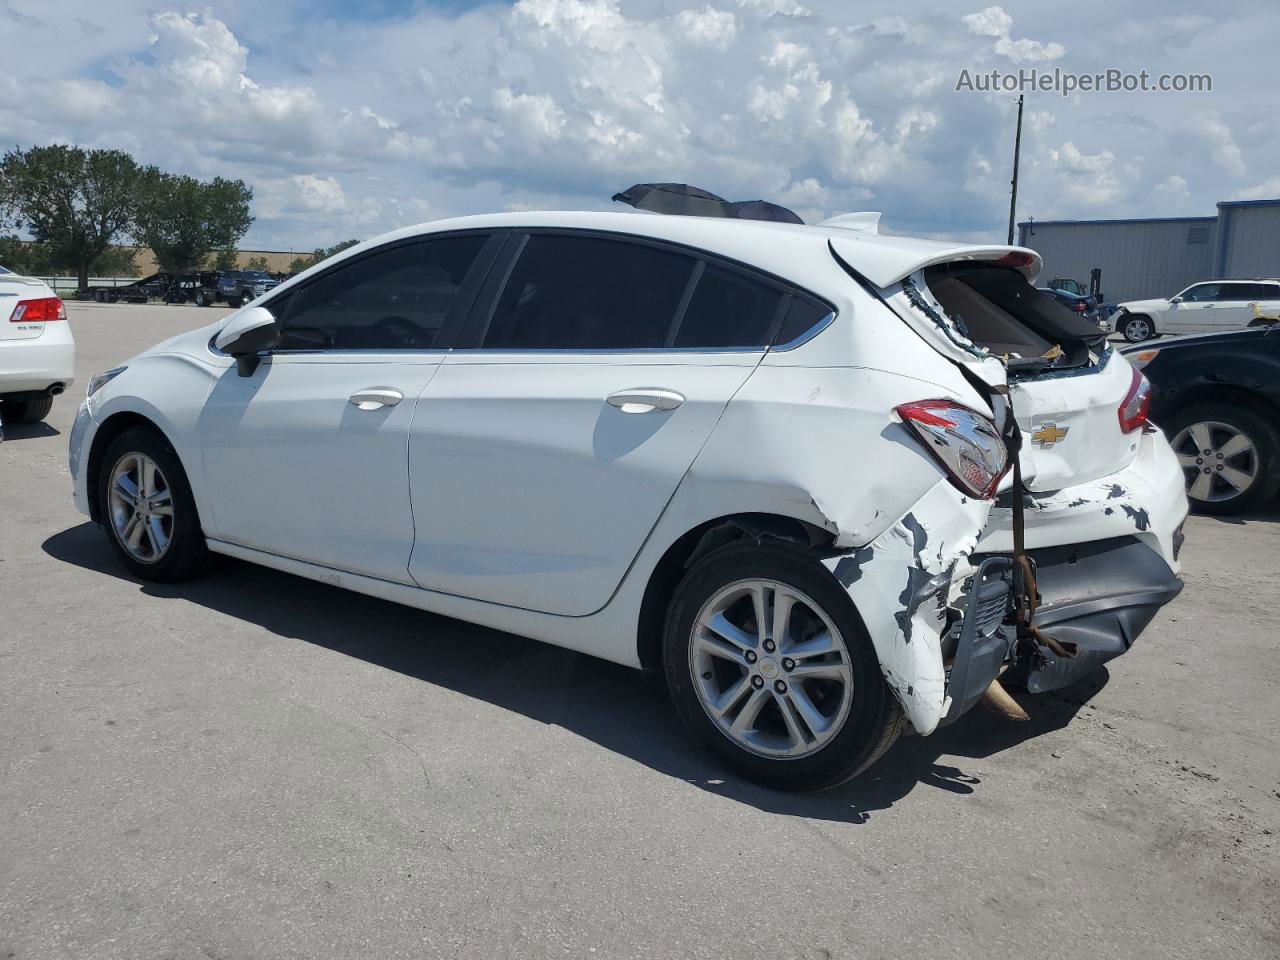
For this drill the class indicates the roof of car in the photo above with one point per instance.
(784, 248)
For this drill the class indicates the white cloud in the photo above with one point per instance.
(994, 22)
(708, 27)
(346, 128)
(1267, 190)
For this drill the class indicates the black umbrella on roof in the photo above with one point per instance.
(681, 199)
(678, 199)
(762, 210)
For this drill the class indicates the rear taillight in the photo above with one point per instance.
(1080, 307)
(1136, 404)
(1016, 258)
(39, 311)
(965, 443)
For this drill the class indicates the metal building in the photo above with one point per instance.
(1158, 256)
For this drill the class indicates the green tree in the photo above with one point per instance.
(183, 220)
(320, 253)
(25, 257)
(116, 262)
(225, 259)
(257, 263)
(73, 201)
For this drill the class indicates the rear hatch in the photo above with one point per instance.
(977, 305)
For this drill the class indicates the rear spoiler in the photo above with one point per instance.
(885, 260)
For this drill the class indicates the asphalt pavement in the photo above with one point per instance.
(255, 765)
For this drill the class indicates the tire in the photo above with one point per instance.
(1213, 427)
(26, 411)
(863, 716)
(200, 299)
(185, 554)
(1137, 327)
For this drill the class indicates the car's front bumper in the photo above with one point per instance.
(78, 443)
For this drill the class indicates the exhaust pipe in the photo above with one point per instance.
(56, 389)
(997, 699)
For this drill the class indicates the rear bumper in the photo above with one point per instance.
(36, 365)
(1099, 596)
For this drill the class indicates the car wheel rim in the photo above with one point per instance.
(1138, 330)
(141, 504)
(1220, 461)
(771, 669)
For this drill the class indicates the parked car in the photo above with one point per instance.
(1201, 308)
(37, 351)
(764, 459)
(232, 287)
(1217, 396)
(1082, 305)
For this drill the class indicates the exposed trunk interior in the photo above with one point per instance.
(1028, 328)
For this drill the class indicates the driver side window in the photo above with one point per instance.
(1202, 293)
(392, 299)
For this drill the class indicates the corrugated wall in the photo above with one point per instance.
(1251, 240)
(1139, 258)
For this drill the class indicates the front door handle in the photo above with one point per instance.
(376, 398)
(644, 400)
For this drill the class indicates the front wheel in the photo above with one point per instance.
(148, 510)
(770, 668)
(1230, 457)
(1137, 327)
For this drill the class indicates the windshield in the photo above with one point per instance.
(255, 275)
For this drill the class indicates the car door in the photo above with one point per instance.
(1193, 311)
(1231, 309)
(541, 456)
(307, 457)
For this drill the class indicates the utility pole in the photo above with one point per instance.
(1017, 148)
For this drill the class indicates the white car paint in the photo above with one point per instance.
(1207, 307)
(504, 489)
(33, 356)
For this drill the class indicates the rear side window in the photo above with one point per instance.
(393, 299)
(589, 293)
(802, 316)
(729, 309)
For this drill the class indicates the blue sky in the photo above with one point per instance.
(349, 120)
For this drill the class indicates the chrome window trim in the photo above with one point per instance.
(805, 337)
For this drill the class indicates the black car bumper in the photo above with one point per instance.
(1099, 596)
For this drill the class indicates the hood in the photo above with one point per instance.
(886, 260)
(1138, 306)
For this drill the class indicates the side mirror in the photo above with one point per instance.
(248, 332)
(1176, 300)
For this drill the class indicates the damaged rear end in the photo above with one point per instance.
(1080, 548)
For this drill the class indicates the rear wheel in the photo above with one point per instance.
(201, 300)
(1137, 327)
(26, 411)
(771, 669)
(1228, 454)
(147, 508)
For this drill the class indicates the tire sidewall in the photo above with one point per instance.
(187, 552)
(846, 754)
(1266, 443)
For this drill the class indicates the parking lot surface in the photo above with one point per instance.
(255, 765)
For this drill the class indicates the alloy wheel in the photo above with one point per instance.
(141, 507)
(1137, 329)
(1219, 461)
(771, 669)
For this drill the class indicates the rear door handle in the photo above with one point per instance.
(644, 400)
(375, 398)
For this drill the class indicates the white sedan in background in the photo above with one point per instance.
(1209, 307)
(37, 351)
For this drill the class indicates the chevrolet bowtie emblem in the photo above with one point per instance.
(1048, 435)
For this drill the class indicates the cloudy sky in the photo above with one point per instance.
(349, 119)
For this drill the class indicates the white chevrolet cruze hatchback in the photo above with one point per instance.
(769, 460)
